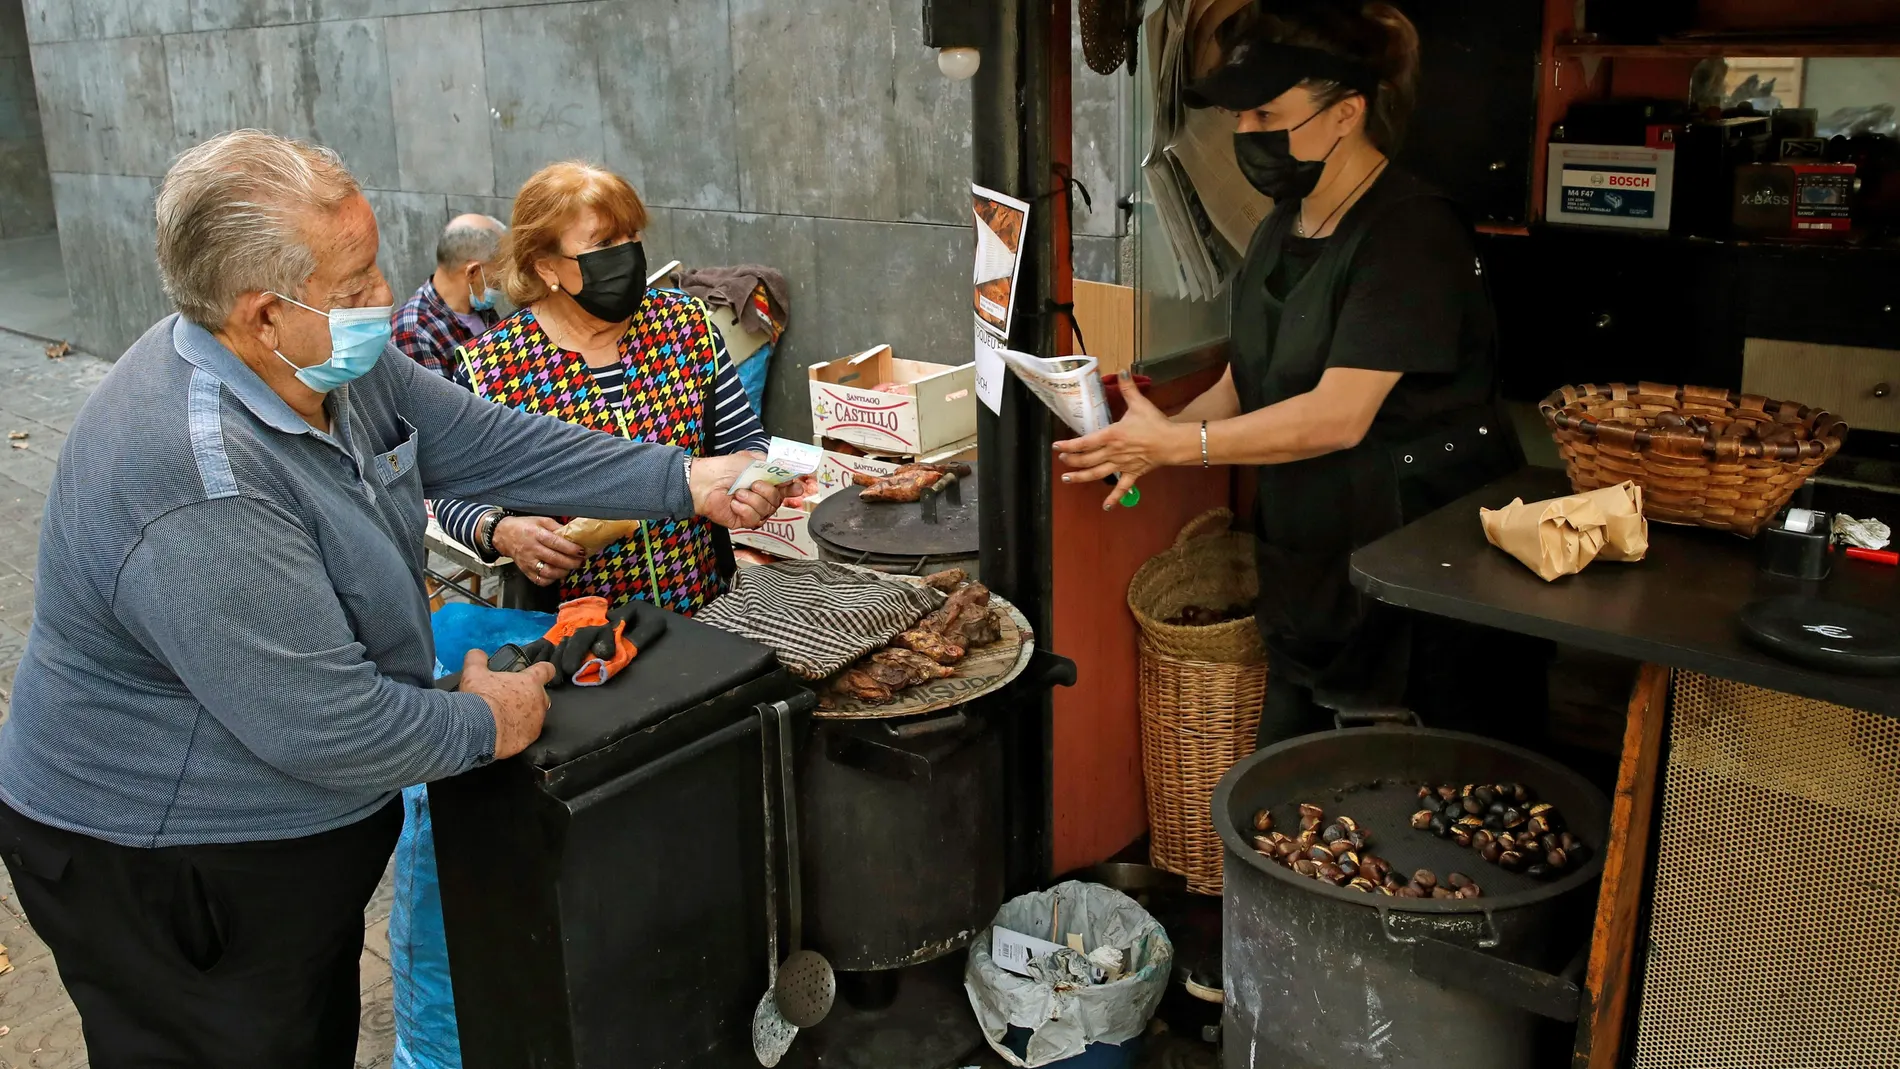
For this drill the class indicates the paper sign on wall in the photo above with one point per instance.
(990, 372)
(1001, 223)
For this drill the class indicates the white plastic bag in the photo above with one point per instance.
(1063, 1023)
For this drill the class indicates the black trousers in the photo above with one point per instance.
(239, 956)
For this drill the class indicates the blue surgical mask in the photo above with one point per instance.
(358, 337)
(488, 298)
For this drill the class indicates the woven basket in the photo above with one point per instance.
(1208, 565)
(1702, 455)
(1197, 719)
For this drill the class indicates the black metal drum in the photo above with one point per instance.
(935, 533)
(902, 837)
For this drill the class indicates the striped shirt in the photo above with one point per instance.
(736, 428)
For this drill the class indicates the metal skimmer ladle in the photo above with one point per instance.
(806, 985)
(772, 1034)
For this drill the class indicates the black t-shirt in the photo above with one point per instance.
(1413, 303)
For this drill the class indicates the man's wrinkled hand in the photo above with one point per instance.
(519, 700)
(750, 506)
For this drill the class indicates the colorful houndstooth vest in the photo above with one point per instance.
(668, 354)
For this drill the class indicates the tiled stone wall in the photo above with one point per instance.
(817, 137)
(26, 188)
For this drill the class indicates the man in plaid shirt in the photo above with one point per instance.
(457, 304)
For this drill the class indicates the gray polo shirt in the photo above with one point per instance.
(230, 640)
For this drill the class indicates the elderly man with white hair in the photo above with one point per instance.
(229, 675)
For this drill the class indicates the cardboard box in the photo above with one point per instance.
(786, 535)
(839, 467)
(939, 410)
(1609, 185)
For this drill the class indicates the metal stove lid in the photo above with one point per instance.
(898, 530)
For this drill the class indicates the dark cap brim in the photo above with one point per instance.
(1257, 72)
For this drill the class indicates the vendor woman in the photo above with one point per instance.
(1361, 380)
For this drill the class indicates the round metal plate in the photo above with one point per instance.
(894, 529)
(1824, 634)
(982, 671)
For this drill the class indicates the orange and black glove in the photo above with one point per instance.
(589, 645)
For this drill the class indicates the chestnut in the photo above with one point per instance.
(1514, 817)
(1425, 879)
(1469, 890)
(1541, 808)
(1520, 793)
(1440, 825)
(1374, 869)
(1306, 838)
(1511, 860)
(1486, 794)
(1442, 892)
(1496, 809)
(1363, 886)
(1319, 854)
(1351, 870)
(1306, 867)
(1340, 849)
(1422, 820)
(1408, 892)
(1310, 824)
(1447, 794)
(1332, 874)
(1461, 836)
(1358, 840)
(1265, 845)
(1332, 834)
(1387, 890)
(1352, 826)
(1350, 855)
(1483, 838)
(1472, 806)
(1263, 820)
(1538, 826)
(1309, 811)
(1492, 853)
(1567, 840)
(1457, 880)
(1557, 858)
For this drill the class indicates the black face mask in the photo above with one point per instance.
(1267, 162)
(613, 281)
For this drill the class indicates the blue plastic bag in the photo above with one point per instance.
(424, 999)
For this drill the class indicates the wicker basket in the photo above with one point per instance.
(1702, 455)
(1208, 565)
(1197, 719)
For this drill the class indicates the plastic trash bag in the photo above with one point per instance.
(1063, 1022)
(424, 1000)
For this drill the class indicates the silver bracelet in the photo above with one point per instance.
(1203, 443)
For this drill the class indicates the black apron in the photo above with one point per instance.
(1312, 514)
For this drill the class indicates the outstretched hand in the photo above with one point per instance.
(1141, 441)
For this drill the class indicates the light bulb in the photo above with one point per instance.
(959, 64)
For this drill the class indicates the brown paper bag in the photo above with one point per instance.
(596, 535)
(1560, 536)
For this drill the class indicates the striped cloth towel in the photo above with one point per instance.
(817, 616)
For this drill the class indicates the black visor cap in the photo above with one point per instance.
(1256, 72)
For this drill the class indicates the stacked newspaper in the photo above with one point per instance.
(1206, 208)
